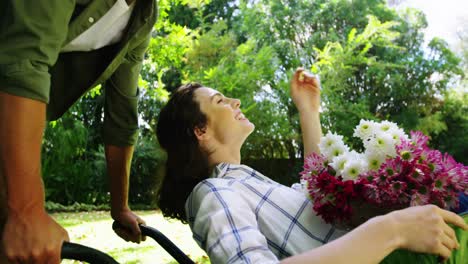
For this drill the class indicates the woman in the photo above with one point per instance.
(237, 215)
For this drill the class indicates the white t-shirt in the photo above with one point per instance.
(106, 31)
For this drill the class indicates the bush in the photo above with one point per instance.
(72, 171)
(284, 171)
(146, 171)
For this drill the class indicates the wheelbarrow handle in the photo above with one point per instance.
(162, 240)
(84, 253)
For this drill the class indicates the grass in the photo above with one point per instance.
(94, 229)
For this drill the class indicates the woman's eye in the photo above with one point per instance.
(220, 100)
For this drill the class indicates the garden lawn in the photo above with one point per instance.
(94, 229)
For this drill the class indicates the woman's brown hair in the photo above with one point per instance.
(187, 163)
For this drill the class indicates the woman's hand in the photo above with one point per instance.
(425, 229)
(305, 91)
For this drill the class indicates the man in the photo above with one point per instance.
(51, 53)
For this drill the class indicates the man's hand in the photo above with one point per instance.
(130, 221)
(305, 91)
(32, 236)
(118, 166)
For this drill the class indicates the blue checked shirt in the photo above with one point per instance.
(240, 216)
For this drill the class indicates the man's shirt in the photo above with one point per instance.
(241, 216)
(32, 34)
(109, 29)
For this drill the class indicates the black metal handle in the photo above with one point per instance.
(84, 253)
(162, 240)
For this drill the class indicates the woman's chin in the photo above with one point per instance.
(250, 125)
(247, 128)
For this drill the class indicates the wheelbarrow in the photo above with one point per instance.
(90, 255)
(83, 253)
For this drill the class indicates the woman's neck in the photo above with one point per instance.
(227, 155)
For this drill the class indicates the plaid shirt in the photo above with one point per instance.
(241, 216)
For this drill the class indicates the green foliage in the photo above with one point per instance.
(243, 71)
(372, 62)
(216, 60)
(146, 171)
(72, 170)
(346, 98)
(361, 80)
(454, 113)
(53, 207)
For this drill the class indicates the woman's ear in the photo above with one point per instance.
(200, 133)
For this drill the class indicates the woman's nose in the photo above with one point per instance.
(235, 102)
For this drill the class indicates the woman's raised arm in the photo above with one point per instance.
(305, 93)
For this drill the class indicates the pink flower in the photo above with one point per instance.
(417, 175)
(419, 139)
(434, 161)
(449, 163)
(371, 193)
(419, 199)
(407, 150)
(392, 167)
(439, 197)
(313, 164)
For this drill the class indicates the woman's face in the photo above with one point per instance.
(226, 123)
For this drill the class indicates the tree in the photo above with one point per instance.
(454, 108)
(388, 77)
(374, 68)
(372, 62)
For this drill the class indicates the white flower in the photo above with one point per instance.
(339, 162)
(387, 125)
(355, 165)
(381, 144)
(336, 150)
(398, 134)
(374, 159)
(365, 130)
(332, 145)
(352, 170)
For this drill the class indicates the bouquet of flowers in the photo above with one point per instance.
(393, 172)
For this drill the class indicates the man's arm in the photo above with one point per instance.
(29, 234)
(31, 36)
(118, 167)
(120, 133)
(21, 130)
